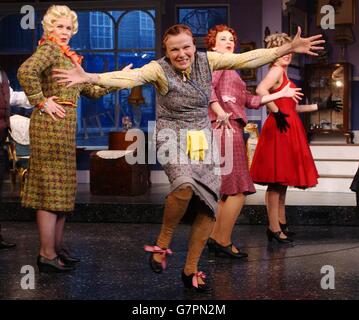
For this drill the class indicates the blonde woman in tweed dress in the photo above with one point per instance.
(227, 110)
(51, 184)
(183, 82)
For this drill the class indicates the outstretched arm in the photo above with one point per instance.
(95, 91)
(149, 73)
(326, 104)
(256, 58)
(306, 108)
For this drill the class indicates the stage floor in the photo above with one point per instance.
(114, 265)
(303, 207)
(157, 193)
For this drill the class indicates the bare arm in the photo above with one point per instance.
(287, 91)
(272, 78)
(306, 108)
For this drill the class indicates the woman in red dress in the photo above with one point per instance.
(228, 102)
(283, 157)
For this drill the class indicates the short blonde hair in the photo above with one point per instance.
(277, 39)
(54, 13)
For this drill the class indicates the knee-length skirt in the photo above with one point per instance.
(235, 172)
(51, 181)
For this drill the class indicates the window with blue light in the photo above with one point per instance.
(108, 40)
(116, 39)
(101, 31)
(201, 19)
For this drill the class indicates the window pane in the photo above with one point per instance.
(96, 116)
(202, 19)
(136, 30)
(96, 31)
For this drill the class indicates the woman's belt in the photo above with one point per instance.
(66, 103)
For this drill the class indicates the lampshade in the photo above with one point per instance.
(136, 97)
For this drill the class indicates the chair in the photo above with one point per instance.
(18, 143)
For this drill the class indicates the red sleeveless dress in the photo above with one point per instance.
(284, 158)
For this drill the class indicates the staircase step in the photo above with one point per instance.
(296, 197)
(325, 184)
(336, 169)
(334, 152)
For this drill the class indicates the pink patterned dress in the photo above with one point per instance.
(229, 90)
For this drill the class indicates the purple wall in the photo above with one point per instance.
(246, 19)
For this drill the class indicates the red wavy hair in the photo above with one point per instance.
(210, 38)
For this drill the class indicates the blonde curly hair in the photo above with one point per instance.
(276, 40)
(54, 13)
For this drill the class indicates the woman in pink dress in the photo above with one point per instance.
(227, 110)
(283, 157)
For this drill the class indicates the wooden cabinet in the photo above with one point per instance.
(117, 177)
(322, 80)
(114, 175)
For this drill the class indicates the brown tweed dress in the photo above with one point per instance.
(51, 182)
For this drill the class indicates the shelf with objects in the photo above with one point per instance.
(323, 82)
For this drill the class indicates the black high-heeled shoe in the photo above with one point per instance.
(211, 243)
(191, 282)
(276, 235)
(53, 265)
(227, 251)
(215, 249)
(155, 266)
(285, 230)
(67, 258)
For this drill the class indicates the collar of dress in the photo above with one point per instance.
(65, 49)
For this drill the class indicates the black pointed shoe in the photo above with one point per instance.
(155, 266)
(218, 250)
(227, 251)
(67, 258)
(52, 265)
(191, 282)
(276, 235)
(286, 231)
